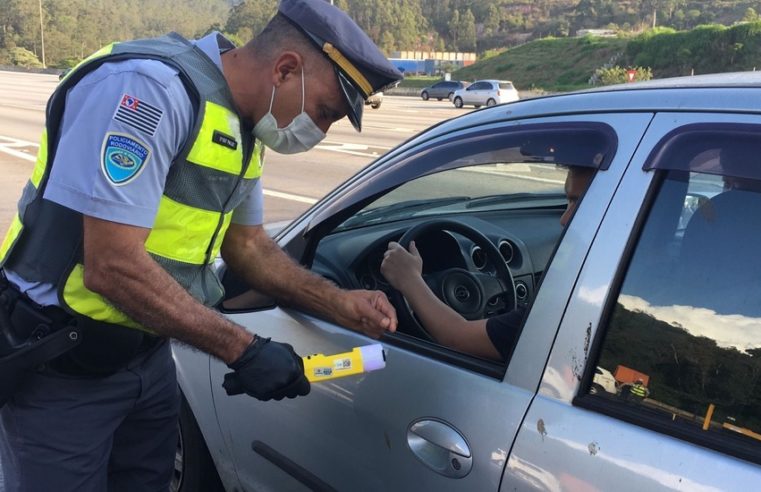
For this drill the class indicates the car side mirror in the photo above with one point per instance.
(239, 296)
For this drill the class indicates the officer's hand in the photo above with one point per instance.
(367, 311)
(267, 370)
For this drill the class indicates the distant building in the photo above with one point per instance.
(598, 33)
(430, 62)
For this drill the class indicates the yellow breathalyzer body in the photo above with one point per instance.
(319, 367)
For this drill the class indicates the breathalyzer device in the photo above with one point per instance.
(319, 367)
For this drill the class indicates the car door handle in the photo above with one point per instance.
(440, 447)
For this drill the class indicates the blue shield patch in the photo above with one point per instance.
(123, 158)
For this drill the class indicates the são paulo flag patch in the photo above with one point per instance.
(138, 114)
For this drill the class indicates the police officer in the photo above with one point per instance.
(149, 168)
(639, 390)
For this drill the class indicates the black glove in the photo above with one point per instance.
(267, 370)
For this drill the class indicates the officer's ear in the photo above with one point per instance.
(287, 65)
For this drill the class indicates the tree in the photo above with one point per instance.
(619, 75)
(248, 18)
(388, 43)
(454, 29)
(22, 57)
(467, 31)
(492, 20)
(750, 15)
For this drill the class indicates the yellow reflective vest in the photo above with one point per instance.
(638, 390)
(206, 181)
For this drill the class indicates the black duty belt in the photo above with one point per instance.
(99, 348)
(30, 336)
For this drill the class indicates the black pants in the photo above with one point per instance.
(117, 433)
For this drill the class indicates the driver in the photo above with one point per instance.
(490, 338)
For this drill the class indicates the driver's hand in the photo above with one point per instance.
(401, 268)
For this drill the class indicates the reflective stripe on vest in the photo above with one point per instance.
(638, 390)
(204, 185)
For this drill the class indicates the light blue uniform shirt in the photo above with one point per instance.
(92, 119)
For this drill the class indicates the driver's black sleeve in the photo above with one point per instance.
(503, 330)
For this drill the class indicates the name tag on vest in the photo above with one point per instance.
(224, 140)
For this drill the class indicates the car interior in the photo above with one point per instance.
(484, 210)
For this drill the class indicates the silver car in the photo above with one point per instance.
(656, 278)
(485, 93)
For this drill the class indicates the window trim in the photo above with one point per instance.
(326, 220)
(635, 415)
(656, 160)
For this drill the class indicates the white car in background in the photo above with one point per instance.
(603, 380)
(485, 93)
(374, 100)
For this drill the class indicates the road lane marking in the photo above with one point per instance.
(347, 148)
(7, 144)
(17, 142)
(512, 174)
(289, 196)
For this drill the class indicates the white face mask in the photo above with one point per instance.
(299, 136)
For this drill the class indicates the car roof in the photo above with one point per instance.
(730, 92)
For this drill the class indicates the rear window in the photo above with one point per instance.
(506, 85)
(683, 338)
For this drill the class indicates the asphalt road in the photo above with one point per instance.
(292, 183)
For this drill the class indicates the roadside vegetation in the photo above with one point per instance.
(531, 43)
(561, 64)
(554, 64)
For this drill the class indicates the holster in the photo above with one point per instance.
(30, 336)
(33, 336)
(105, 349)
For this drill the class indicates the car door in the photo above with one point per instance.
(433, 419)
(439, 90)
(471, 94)
(484, 93)
(668, 300)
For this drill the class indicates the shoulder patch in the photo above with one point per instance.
(138, 114)
(123, 157)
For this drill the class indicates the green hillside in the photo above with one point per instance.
(560, 64)
(556, 64)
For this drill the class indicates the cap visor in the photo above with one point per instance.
(354, 100)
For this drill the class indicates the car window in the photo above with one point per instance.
(683, 335)
(511, 187)
(506, 85)
(477, 86)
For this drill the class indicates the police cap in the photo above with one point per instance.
(361, 67)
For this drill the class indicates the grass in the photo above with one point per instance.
(418, 82)
(553, 64)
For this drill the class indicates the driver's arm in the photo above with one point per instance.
(404, 270)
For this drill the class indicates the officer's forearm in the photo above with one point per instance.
(130, 279)
(251, 253)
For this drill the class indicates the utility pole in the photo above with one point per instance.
(654, 16)
(42, 36)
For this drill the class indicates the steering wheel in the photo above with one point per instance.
(469, 293)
